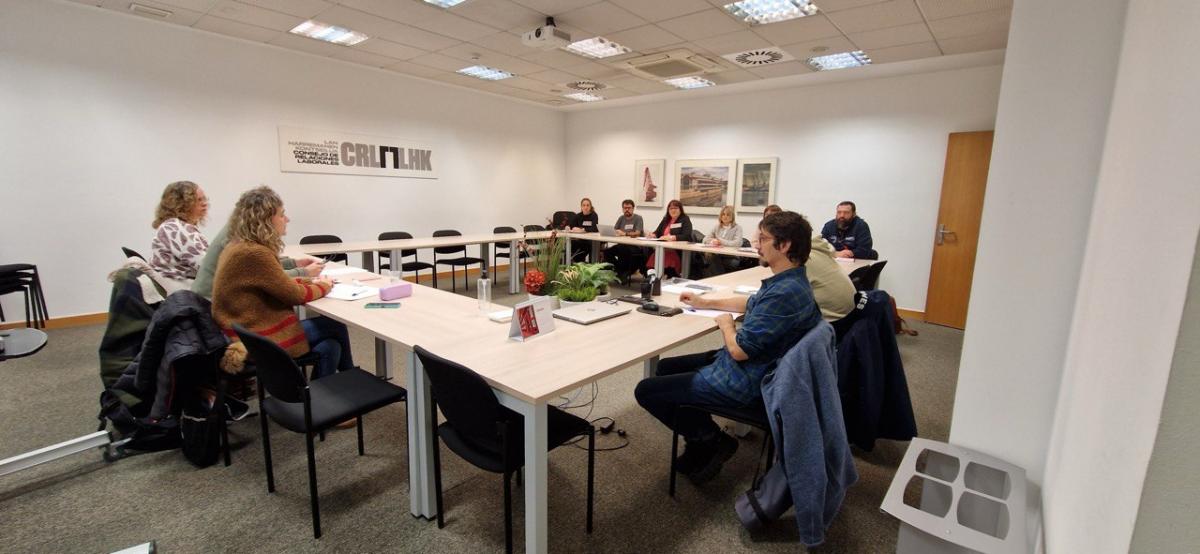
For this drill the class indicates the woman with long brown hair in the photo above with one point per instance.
(178, 245)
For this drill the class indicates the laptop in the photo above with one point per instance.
(591, 312)
(607, 230)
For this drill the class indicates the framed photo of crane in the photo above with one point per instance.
(648, 185)
(704, 185)
(755, 188)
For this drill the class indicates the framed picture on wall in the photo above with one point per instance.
(755, 188)
(704, 185)
(648, 185)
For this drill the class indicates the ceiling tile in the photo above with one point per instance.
(525, 83)
(906, 52)
(782, 69)
(255, 15)
(410, 12)
(445, 23)
(179, 16)
(703, 24)
(385, 47)
(425, 40)
(600, 19)
(732, 76)
(363, 22)
(644, 38)
(892, 36)
(971, 24)
(505, 43)
(638, 84)
(439, 61)
(831, 45)
(941, 9)
(614, 93)
(304, 44)
(300, 8)
(594, 70)
(553, 76)
(728, 43)
(89, 2)
(557, 59)
(353, 54)
(659, 10)
(792, 31)
(554, 7)
(838, 5)
(235, 29)
(409, 68)
(201, 6)
(457, 79)
(502, 14)
(977, 43)
(475, 54)
(877, 16)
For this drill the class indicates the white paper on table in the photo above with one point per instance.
(679, 289)
(845, 260)
(648, 238)
(344, 291)
(345, 270)
(501, 316)
(706, 313)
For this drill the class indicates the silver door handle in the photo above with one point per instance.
(942, 232)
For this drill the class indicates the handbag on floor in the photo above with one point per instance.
(201, 431)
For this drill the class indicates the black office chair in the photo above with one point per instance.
(747, 262)
(867, 278)
(488, 435)
(502, 250)
(561, 220)
(131, 253)
(243, 380)
(24, 278)
(755, 416)
(303, 407)
(463, 260)
(326, 239)
(699, 266)
(415, 266)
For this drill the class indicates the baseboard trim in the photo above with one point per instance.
(64, 322)
(911, 314)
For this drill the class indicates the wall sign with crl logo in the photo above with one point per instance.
(316, 151)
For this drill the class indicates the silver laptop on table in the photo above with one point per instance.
(607, 230)
(591, 312)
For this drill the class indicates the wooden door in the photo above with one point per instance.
(956, 235)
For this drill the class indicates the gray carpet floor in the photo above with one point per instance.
(83, 504)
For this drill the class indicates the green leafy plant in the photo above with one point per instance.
(582, 282)
(547, 255)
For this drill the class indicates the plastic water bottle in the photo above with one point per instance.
(484, 288)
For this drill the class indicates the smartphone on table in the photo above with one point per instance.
(381, 305)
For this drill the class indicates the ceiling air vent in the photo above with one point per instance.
(668, 65)
(759, 57)
(142, 9)
(586, 86)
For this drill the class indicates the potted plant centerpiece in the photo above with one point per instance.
(547, 256)
(583, 282)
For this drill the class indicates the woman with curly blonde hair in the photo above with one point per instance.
(178, 244)
(250, 287)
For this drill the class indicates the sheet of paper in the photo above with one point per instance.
(342, 270)
(748, 249)
(501, 316)
(648, 238)
(706, 313)
(344, 291)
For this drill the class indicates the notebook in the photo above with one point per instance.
(591, 312)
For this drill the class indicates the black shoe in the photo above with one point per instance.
(236, 410)
(694, 455)
(722, 451)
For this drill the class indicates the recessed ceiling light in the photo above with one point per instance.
(583, 97)
(328, 33)
(689, 82)
(143, 9)
(445, 3)
(761, 12)
(598, 47)
(841, 60)
(485, 73)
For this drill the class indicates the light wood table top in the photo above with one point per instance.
(406, 244)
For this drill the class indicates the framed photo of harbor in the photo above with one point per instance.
(704, 185)
(755, 188)
(649, 187)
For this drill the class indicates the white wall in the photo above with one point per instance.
(1132, 290)
(878, 142)
(1059, 71)
(99, 110)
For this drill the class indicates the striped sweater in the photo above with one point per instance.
(251, 289)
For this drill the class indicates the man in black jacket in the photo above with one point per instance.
(849, 235)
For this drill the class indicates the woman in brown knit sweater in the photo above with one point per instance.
(250, 287)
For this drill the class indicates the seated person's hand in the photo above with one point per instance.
(323, 281)
(724, 320)
(668, 237)
(715, 242)
(845, 254)
(311, 269)
(690, 298)
(304, 262)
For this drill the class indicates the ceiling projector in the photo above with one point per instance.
(547, 37)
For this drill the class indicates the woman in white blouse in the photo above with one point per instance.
(178, 244)
(725, 233)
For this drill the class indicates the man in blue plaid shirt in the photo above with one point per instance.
(777, 316)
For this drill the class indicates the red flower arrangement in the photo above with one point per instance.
(534, 281)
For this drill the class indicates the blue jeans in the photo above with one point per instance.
(331, 341)
(678, 382)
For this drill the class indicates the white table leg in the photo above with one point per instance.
(650, 367)
(658, 261)
(383, 359)
(485, 249)
(536, 506)
(566, 251)
(514, 260)
(686, 263)
(596, 251)
(420, 442)
(368, 260)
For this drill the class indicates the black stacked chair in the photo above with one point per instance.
(326, 239)
(415, 266)
(502, 250)
(867, 278)
(309, 408)
(463, 260)
(755, 416)
(24, 278)
(488, 435)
